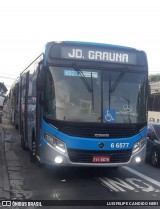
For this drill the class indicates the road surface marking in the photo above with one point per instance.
(157, 183)
(115, 185)
(128, 184)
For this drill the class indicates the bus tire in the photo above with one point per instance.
(33, 150)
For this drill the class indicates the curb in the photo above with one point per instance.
(6, 182)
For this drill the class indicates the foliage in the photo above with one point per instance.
(3, 88)
(154, 77)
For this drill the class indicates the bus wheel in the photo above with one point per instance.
(33, 151)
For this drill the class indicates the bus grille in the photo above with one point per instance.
(85, 156)
(91, 130)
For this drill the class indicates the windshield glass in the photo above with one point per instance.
(71, 96)
(124, 97)
(89, 95)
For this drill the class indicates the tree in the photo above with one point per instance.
(154, 77)
(3, 88)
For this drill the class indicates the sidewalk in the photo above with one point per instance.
(11, 171)
(4, 177)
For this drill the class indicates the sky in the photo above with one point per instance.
(26, 26)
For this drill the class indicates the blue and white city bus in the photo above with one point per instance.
(85, 104)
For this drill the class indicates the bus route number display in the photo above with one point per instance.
(98, 54)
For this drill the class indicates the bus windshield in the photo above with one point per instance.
(105, 96)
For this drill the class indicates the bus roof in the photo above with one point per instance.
(100, 44)
(93, 44)
(99, 52)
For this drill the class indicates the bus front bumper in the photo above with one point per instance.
(52, 156)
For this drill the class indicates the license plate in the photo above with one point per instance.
(101, 159)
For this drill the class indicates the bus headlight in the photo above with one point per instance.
(58, 144)
(138, 145)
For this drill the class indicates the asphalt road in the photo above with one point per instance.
(28, 181)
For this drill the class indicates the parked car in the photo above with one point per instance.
(153, 144)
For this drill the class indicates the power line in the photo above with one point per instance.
(10, 74)
(6, 77)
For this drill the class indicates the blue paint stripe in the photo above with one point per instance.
(91, 143)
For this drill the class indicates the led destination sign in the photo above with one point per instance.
(93, 54)
(97, 55)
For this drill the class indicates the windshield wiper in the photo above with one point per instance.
(85, 82)
(117, 81)
(113, 87)
(83, 78)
